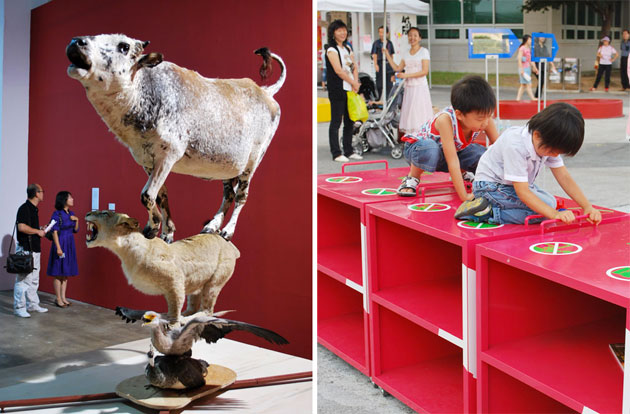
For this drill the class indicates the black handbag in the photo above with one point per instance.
(19, 262)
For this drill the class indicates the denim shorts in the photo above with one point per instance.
(507, 208)
(428, 155)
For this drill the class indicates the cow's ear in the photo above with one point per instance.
(145, 44)
(150, 60)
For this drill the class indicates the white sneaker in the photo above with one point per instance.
(22, 313)
(342, 158)
(355, 156)
(37, 308)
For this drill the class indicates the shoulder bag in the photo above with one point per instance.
(19, 262)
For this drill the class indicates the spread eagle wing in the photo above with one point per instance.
(129, 315)
(212, 329)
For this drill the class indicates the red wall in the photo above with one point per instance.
(70, 148)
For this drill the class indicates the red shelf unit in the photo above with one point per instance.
(549, 306)
(341, 233)
(421, 267)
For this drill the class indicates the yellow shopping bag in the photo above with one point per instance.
(357, 107)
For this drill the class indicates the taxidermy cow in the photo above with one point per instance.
(197, 266)
(173, 119)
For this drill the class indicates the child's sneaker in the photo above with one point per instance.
(478, 207)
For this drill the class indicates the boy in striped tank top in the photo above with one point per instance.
(445, 143)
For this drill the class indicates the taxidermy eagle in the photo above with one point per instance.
(179, 340)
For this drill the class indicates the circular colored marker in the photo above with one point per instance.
(344, 180)
(428, 207)
(477, 226)
(555, 248)
(621, 273)
(379, 191)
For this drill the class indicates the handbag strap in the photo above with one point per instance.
(12, 235)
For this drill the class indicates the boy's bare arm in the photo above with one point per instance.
(491, 131)
(532, 201)
(445, 128)
(562, 176)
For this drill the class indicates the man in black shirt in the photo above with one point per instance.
(28, 240)
(377, 59)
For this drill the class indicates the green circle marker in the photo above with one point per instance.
(379, 191)
(620, 273)
(428, 207)
(555, 248)
(477, 226)
(344, 180)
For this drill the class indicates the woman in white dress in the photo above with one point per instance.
(416, 107)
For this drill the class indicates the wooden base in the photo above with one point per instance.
(138, 390)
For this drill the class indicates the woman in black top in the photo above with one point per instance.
(341, 76)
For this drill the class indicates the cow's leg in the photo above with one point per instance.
(168, 226)
(239, 202)
(214, 225)
(150, 191)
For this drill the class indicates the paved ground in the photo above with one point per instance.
(601, 168)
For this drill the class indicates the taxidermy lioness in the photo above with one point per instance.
(198, 266)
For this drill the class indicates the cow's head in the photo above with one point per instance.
(107, 60)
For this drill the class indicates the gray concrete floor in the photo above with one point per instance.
(59, 332)
(601, 169)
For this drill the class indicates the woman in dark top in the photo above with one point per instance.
(342, 75)
(62, 261)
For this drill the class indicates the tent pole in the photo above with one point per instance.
(384, 64)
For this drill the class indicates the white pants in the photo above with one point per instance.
(25, 289)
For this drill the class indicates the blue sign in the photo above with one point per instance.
(501, 43)
(544, 47)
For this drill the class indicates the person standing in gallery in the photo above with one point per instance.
(416, 106)
(25, 296)
(62, 261)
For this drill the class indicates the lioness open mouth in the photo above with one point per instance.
(92, 232)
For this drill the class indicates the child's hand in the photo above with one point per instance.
(594, 215)
(467, 197)
(565, 215)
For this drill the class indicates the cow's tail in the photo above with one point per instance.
(265, 69)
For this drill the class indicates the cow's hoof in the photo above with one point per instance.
(168, 238)
(150, 232)
(227, 236)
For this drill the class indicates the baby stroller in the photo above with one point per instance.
(381, 131)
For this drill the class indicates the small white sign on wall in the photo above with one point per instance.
(111, 206)
(95, 191)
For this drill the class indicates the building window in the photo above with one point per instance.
(508, 11)
(591, 17)
(570, 34)
(447, 33)
(422, 20)
(581, 14)
(478, 11)
(518, 33)
(569, 14)
(617, 36)
(424, 33)
(590, 34)
(446, 12)
(580, 34)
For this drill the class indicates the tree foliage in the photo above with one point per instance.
(605, 8)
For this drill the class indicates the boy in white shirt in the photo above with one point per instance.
(504, 187)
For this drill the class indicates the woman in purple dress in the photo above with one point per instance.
(63, 255)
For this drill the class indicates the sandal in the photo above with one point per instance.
(408, 183)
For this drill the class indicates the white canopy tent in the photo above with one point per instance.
(416, 7)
